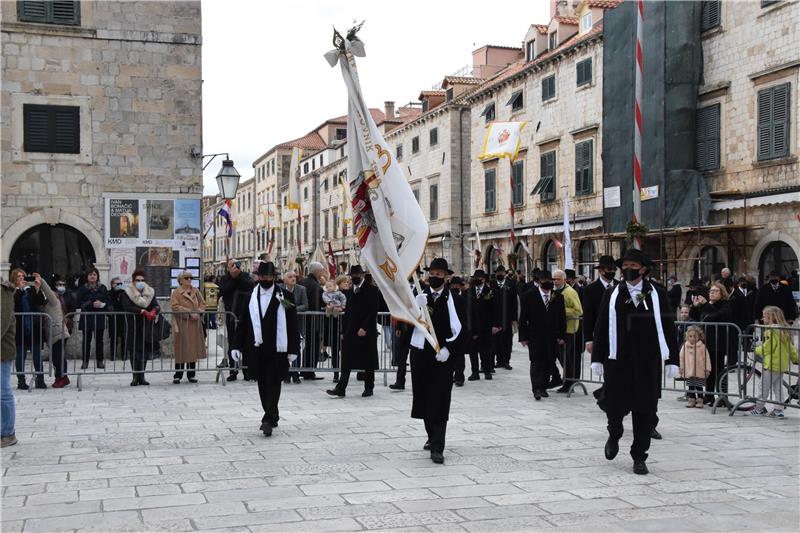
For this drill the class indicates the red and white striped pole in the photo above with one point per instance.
(637, 141)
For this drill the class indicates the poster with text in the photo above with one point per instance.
(160, 219)
(187, 218)
(123, 221)
(123, 263)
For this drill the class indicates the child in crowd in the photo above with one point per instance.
(777, 350)
(334, 299)
(695, 365)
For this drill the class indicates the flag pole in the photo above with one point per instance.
(637, 123)
(426, 315)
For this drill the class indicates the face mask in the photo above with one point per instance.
(547, 285)
(630, 274)
(500, 278)
(609, 276)
(140, 285)
(61, 289)
(265, 284)
(357, 280)
(774, 283)
(436, 282)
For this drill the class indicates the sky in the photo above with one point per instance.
(265, 80)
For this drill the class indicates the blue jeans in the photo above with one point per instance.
(23, 345)
(9, 413)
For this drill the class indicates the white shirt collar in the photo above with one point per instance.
(635, 288)
(266, 296)
(604, 282)
(545, 293)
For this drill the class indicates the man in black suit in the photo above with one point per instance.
(506, 309)
(312, 327)
(458, 291)
(634, 337)
(359, 333)
(270, 335)
(235, 289)
(484, 325)
(432, 371)
(743, 301)
(542, 328)
(777, 294)
(572, 280)
(674, 292)
(593, 295)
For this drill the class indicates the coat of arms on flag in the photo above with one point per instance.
(503, 139)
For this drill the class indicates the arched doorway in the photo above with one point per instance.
(708, 264)
(586, 259)
(777, 256)
(492, 259)
(523, 260)
(551, 256)
(52, 249)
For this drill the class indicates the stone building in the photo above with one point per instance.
(100, 100)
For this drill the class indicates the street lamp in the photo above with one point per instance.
(228, 180)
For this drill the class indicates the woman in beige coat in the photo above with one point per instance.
(190, 344)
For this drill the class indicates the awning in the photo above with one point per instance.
(517, 94)
(576, 226)
(542, 185)
(489, 107)
(772, 199)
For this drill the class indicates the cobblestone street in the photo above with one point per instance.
(190, 457)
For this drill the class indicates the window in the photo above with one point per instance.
(434, 201)
(305, 167)
(335, 222)
(517, 182)
(434, 136)
(305, 231)
(449, 94)
(57, 12)
(584, 71)
(552, 257)
(50, 128)
(416, 193)
(773, 122)
(488, 112)
(765, 3)
(549, 88)
(327, 224)
(530, 50)
(709, 17)
(415, 145)
(707, 138)
(305, 193)
(586, 21)
(516, 101)
(546, 186)
(489, 190)
(341, 134)
(313, 164)
(584, 166)
(321, 160)
(553, 40)
(50, 249)
(399, 151)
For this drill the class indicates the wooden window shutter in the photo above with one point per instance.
(764, 123)
(780, 120)
(707, 145)
(32, 11)
(66, 12)
(710, 17)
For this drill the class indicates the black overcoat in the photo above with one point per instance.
(264, 361)
(141, 335)
(361, 313)
(542, 327)
(719, 339)
(742, 307)
(633, 379)
(431, 380)
(506, 304)
(590, 301)
(482, 318)
(780, 297)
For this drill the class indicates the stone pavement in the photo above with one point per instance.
(190, 457)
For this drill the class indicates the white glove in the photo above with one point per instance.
(236, 355)
(291, 357)
(671, 371)
(597, 368)
(443, 355)
(422, 300)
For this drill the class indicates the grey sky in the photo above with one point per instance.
(266, 82)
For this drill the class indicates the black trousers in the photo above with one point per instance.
(459, 365)
(436, 434)
(138, 366)
(400, 348)
(59, 360)
(369, 379)
(97, 333)
(189, 370)
(643, 423)
(269, 391)
(230, 328)
(503, 343)
(482, 352)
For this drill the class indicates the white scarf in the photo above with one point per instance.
(281, 341)
(418, 337)
(612, 324)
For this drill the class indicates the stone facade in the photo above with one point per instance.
(134, 71)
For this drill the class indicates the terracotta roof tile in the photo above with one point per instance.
(567, 20)
(604, 4)
(541, 28)
(463, 80)
(309, 141)
(377, 115)
(433, 93)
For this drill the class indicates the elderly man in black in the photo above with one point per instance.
(269, 334)
(634, 337)
(235, 289)
(432, 372)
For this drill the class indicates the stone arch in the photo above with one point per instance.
(758, 249)
(54, 216)
(697, 248)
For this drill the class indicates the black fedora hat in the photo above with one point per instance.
(545, 275)
(439, 263)
(632, 254)
(355, 269)
(456, 280)
(266, 268)
(569, 273)
(479, 273)
(606, 261)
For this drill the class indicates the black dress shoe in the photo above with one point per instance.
(287, 380)
(507, 367)
(397, 386)
(135, 382)
(267, 430)
(232, 377)
(640, 468)
(459, 383)
(84, 366)
(474, 377)
(427, 445)
(437, 458)
(192, 380)
(273, 424)
(612, 448)
(545, 394)
(296, 379)
(314, 378)
(334, 392)
(654, 434)
(176, 381)
(488, 376)
(366, 393)
(101, 365)
(537, 395)
(555, 383)
(563, 389)
(142, 381)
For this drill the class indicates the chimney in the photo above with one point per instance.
(388, 109)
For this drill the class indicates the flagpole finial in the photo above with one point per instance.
(349, 42)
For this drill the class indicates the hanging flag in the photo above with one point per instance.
(347, 206)
(479, 249)
(208, 222)
(225, 212)
(389, 224)
(567, 240)
(503, 139)
(557, 243)
(331, 261)
(293, 193)
(352, 259)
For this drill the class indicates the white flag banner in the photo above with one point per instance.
(293, 194)
(503, 139)
(389, 224)
(567, 240)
